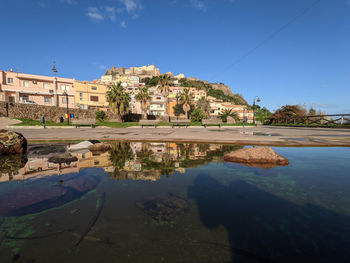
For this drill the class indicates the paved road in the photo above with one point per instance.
(248, 136)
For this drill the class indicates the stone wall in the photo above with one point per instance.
(51, 113)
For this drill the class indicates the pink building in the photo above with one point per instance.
(35, 89)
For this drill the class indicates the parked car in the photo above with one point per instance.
(28, 102)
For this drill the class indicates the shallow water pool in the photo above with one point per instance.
(168, 202)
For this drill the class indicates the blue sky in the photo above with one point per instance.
(308, 63)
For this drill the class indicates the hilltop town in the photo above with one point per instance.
(214, 98)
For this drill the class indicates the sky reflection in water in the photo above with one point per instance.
(175, 203)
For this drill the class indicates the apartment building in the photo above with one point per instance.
(157, 105)
(197, 94)
(35, 89)
(242, 111)
(90, 95)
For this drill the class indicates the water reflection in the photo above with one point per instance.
(124, 161)
(200, 209)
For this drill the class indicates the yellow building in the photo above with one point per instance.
(90, 95)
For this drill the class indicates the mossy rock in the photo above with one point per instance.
(12, 142)
(12, 163)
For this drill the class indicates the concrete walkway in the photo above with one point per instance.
(4, 122)
(264, 135)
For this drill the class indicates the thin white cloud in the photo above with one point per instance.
(70, 2)
(348, 2)
(131, 5)
(102, 67)
(110, 12)
(199, 4)
(124, 8)
(101, 13)
(95, 13)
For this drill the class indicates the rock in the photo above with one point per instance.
(46, 149)
(230, 120)
(12, 163)
(81, 146)
(256, 156)
(12, 142)
(63, 158)
(100, 147)
(44, 193)
(164, 208)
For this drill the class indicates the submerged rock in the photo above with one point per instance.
(12, 142)
(164, 208)
(262, 157)
(46, 149)
(42, 194)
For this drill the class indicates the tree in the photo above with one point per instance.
(287, 114)
(164, 84)
(228, 113)
(204, 105)
(100, 115)
(178, 109)
(118, 99)
(186, 100)
(262, 114)
(197, 115)
(144, 98)
(312, 112)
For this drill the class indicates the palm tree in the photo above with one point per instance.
(164, 84)
(118, 99)
(204, 105)
(144, 98)
(186, 101)
(119, 153)
(228, 113)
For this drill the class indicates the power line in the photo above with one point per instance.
(274, 34)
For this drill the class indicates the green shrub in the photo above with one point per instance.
(101, 116)
(197, 115)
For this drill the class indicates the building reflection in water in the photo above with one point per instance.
(124, 161)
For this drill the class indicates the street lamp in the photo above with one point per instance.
(258, 100)
(55, 83)
(66, 94)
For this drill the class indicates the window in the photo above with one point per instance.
(25, 83)
(93, 88)
(94, 98)
(47, 99)
(80, 95)
(47, 85)
(64, 100)
(10, 80)
(64, 87)
(25, 98)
